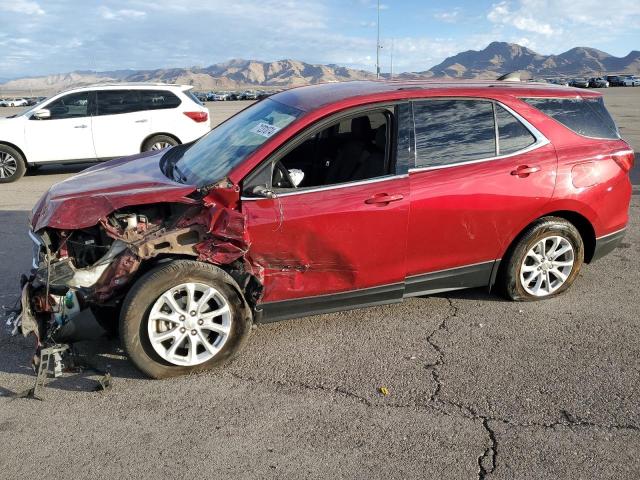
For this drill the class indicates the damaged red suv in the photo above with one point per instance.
(327, 198)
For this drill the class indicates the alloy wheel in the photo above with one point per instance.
(8, 165)
(189, 324)
(547, 265)
(160, 145)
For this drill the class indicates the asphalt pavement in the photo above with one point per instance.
(478, 387)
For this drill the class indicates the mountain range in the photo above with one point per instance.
(496, 59)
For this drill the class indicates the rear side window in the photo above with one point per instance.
(513, 136)
(453, 131)
(587, 117)
(159, 99)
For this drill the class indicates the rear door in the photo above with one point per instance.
(121, 123)
(66, 134)
(342, 243)
(481, 171)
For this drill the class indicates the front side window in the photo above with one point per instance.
(74, 105)
(213, 156)
(453, 131)
(354, 148)
(585, 116)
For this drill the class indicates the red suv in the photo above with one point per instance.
(326, 198)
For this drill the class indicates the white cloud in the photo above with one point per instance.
(26, 7)
(451, 16)
(124, 13)
(521, 19)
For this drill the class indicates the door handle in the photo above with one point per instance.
(144, 120)
(383, 199)
(524, 171)
(80, 126)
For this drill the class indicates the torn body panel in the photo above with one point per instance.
(98, 263)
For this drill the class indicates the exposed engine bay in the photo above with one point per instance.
(94, 266)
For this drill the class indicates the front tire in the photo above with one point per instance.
(183, 317)
(12, 164)
(544, 262)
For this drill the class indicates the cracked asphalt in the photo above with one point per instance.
(478, 387)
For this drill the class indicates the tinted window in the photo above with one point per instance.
(70, 106)
(453, 131)
(158, 99)
(512, 135)
(587, 117)
(113, 102)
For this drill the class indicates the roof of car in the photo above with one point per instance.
(118, 85)
(315, 96)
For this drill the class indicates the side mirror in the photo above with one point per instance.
(262, 191)
(42, 114)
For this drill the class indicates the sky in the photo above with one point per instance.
(39, 37)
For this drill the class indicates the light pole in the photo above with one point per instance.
(378, 44)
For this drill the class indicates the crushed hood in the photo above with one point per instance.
(82, 200)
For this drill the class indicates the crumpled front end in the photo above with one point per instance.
(93, 267)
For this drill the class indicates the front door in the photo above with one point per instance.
(66, 135)
(334, 233)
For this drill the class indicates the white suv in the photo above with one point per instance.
(99, 123)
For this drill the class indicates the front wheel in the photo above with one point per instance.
(545, 262)
(183, 317)
(12, 165)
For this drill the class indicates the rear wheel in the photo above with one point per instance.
(545, 262)
(183, 317)
(12, 165)
(159, 142)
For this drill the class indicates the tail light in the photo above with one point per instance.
(624, 159)
(197, 117)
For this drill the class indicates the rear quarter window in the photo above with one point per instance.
(586, 117)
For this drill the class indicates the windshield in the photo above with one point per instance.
(213, 156)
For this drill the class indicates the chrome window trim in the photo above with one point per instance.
(541, 141)
(330, 187)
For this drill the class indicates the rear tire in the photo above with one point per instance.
(544, 262)
(159, 142)
(170, 312)
(12, 164)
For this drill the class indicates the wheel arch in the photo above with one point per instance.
(582, 224)
(155, 134)
(14, 146)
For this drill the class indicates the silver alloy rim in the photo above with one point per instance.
(547, 265)
(8, 165)
(160, 145)
(189, 324)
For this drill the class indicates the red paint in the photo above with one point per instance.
(376, 233)
(83, 200)
(330, 240)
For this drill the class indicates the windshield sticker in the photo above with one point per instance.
(265, 130)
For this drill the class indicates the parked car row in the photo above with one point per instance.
(226, 96)
(597, 82)
(20, 101)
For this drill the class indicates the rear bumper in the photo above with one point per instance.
(607, 243)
